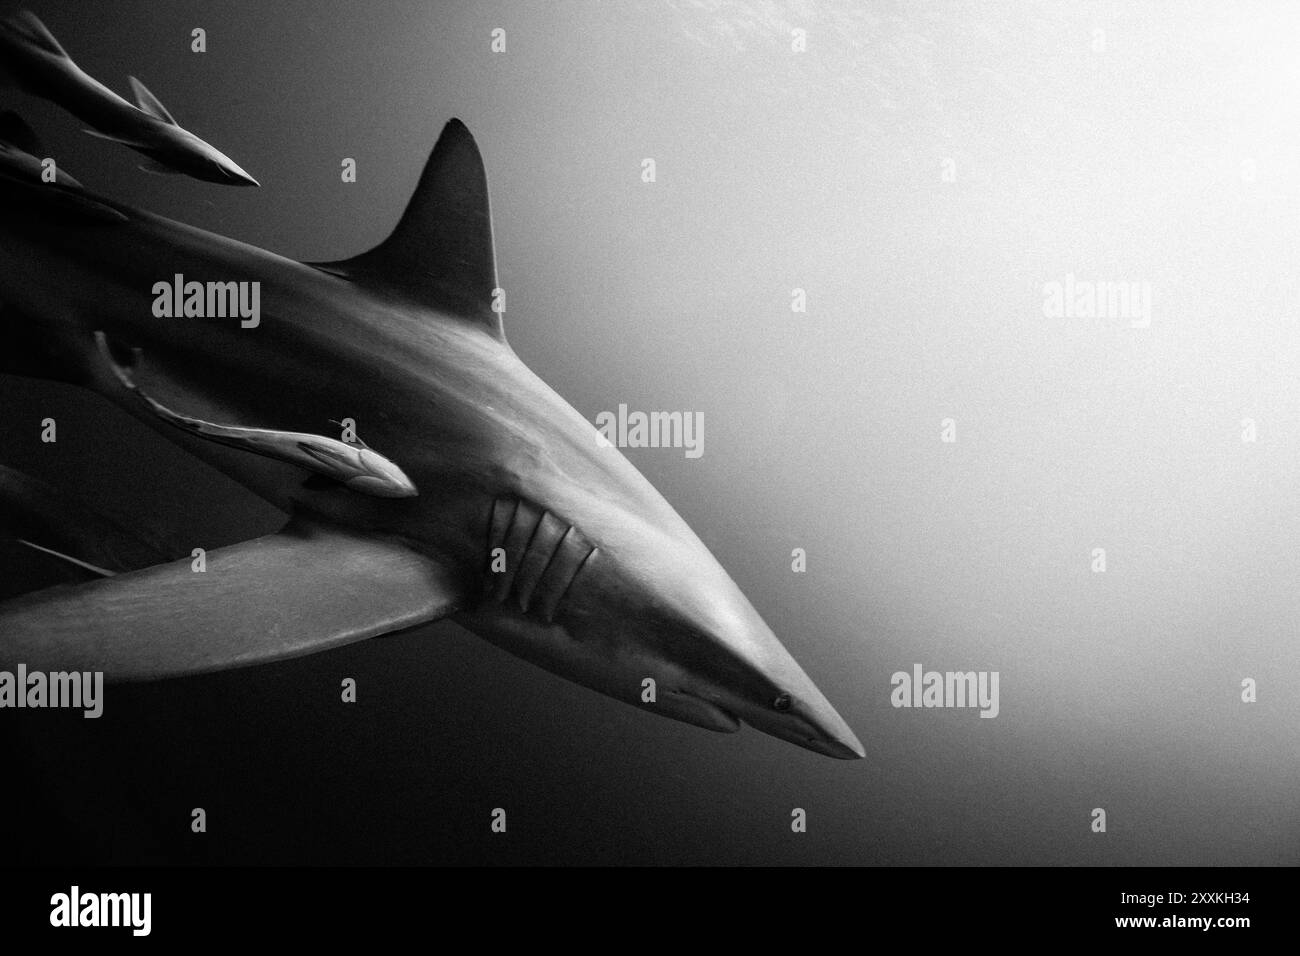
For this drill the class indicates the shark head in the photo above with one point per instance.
(593, 575)
(634, 606)
(174, 149)
(659, 606)
(185, 152)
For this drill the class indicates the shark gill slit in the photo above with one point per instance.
(543, 556)
(547, 535)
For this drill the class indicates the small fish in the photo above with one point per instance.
(32, 60)
(357, 468)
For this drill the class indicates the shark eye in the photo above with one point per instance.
(782, 702)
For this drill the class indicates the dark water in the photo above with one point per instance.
(1163, 151)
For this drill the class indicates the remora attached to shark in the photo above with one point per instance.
(32, 60)
(525, 529)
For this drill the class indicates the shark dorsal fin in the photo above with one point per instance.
(440, 253)
(149, 103)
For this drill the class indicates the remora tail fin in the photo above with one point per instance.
(307, 589)
(441, 252)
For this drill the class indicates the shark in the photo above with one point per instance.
(470, 490)
(32, 60)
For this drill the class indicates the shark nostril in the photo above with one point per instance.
(782, 703)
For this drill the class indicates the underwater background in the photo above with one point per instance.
(924, 172)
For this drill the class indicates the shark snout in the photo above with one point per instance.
(204, 161)
(831, 736)
(234, 175)
(742, 670)
(756, 681)
(804, 717)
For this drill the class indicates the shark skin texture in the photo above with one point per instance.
(523, 527)
(32, 60)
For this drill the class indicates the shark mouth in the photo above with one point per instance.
(704, 713)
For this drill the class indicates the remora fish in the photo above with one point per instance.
(357, 468)
(526, 531)
(34, 61)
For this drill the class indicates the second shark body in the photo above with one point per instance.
(33, 60)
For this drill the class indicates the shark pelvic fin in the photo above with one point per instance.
(149, 103)
(440, 254)
(309, 588)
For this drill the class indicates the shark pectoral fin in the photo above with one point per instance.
(309, 588)
(150, 103)
(159, 169)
